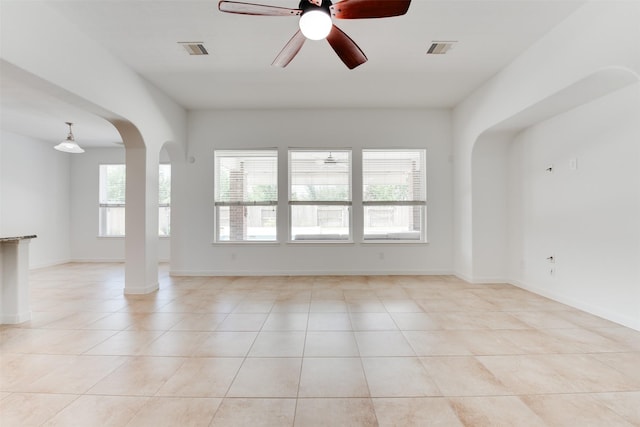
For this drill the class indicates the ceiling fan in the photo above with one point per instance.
(316, 24)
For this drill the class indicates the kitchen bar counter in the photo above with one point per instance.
(14, 279)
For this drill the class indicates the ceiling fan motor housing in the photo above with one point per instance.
(306, 6)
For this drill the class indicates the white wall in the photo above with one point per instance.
(34, 197)
(41, 41)
(193, 226)
(86, 245)
(489, 185)
(587, 218)
(599, 35)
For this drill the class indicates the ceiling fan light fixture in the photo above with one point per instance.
(69, 145)
(330, 160)
(315, 24)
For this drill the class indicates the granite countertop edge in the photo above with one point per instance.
(14, 238)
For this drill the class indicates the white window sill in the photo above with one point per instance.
(395, 242)
(122, 237)
(246, 243)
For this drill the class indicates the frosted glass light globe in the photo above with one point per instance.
(315, 25)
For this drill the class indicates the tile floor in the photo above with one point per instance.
(310, 351)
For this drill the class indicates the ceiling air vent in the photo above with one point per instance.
(440, 48)
(194, 48)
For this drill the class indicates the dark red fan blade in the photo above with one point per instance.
(256, 9)
(347, 49)
(290, 50)
(316, 2)
(362, 9)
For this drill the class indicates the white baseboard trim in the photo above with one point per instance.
(111, 260)
(141, 290)
(487, 280)
(463, 276)
(231, 273)
(558, 297)
(14, 319)
(49, 264)
(580, 305)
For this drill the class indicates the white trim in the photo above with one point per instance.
(260, 243)
(488, 280)
(141, 291)
(110, 260)
(393, 242)
(214, 273)
(580, 305)
(49, 264)
(14, 319)
(464, 277)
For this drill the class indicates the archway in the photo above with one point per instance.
(504, 181)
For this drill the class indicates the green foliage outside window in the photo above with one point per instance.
(116, 177)
(386, 192)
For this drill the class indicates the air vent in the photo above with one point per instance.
(440, 48)
(194, 48)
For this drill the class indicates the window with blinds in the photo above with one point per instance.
(394, 195)
(111, 200)
(320, 195)
(246, 195)
(164, 200)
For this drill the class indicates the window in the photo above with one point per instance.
(111, 199)
(164, 201)
(320, 195)
(394, 195)
(246, 195)
(111, 214)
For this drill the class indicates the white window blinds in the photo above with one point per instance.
(112, 189)
(320, 176)
(111, 199)
(246, 177)
(394, 194)
(246, 195)
(320, 195)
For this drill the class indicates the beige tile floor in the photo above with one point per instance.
(310, 351)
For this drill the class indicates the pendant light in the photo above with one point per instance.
(69, 145)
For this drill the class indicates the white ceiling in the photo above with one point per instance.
(238, 74)
(29, 107)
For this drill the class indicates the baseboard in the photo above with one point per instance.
(49, 264)
(487, 280)
(231, 273)
(475, 280)
(580, 305)
(463, 276)
(141, 290)
(111, 260)
(14, 319)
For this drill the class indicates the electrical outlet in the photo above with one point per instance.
(573, 164)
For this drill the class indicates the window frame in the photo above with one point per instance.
(102, 205)
(419, 202)
(103, 217)
(164, 205)
(348, 204)
(247, 204)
